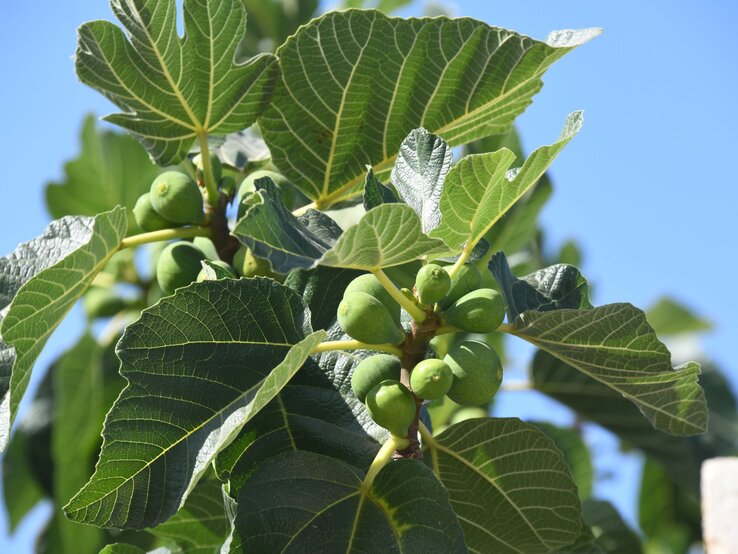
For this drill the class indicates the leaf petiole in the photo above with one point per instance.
(164, 234)
(415, 312)
(334, 345)
(383, 457)
(211, 186)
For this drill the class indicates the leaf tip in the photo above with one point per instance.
(571, 38)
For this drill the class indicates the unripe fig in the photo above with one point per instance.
(391, 406)
(432, 283)
(248, 265)
(147, 217)
(441, 344)
(467, 280)
(369, 284)
(178, 265)
(366, 319)
(228, 271)
(177, 197)
(214, 163)
(477, 373)
(468, 413)
(102, 302)
(480, 311)
(431, 379)
(207, 246)
(373, 370)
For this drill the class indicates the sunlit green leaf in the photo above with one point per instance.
(355, 83)
(385, 236)
(575, 452)
(200, 364)
(481, 188)
(111, 170)
(39, 284)
(669, 317)
(305, 502)
(508, 484)
(615, 345)
(172, 89)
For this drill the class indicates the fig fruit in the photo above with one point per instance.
(392, 406)
(477, 373)
(431, 379)
(432, 283)
(373, 370)
(248, 265)
(102, 302)
(247, 185)
(147, 217)
(364, 317)
(176, 197)
(480, 311)
(178, 265)
(467, 280)
(369, 284)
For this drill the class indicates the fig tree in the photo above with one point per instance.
(480, 311)
(369, 284)
(431, 379)
(392, 406)
(366, 319)
(147, 217)
(176, 197)
(373, 370)
(178, 265)
(467, 280)
(432, 283)
(477, 373)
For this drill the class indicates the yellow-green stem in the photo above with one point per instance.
(415, 312)
(211, 187)
(446, 329)
(431, 443)
(383, 457)
(302, 209)
(465, 253)
(164, 234)
(333, 345)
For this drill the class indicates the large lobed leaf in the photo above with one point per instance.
(199, 364)
(305, 502)
(173, 89)
(481, 188)
(355, 83)
(39, 283)
(615, 345)
(110, 170)
(508, 484)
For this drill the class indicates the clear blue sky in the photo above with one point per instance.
(646, 187)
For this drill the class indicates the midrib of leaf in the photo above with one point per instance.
(434, 444)
(339, 115)
(285, 419)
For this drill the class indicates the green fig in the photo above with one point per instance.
(369, 284)
(176, 197)
(214, 163)
(467, 280)
(147, 217)
(102, 302)
(223, 271)
(477, 373)
(366, 319)
(480, 311)
(431, 379)
(432, 283)
(207, 246)
(247, 185)
(178, 266)
(248, 265)
(392, 406)
(373, 370)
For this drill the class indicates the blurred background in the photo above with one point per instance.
(645, 190)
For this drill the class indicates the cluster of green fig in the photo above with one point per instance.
(469, 372)
(175, 199)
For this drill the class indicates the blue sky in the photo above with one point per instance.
(646, 187)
